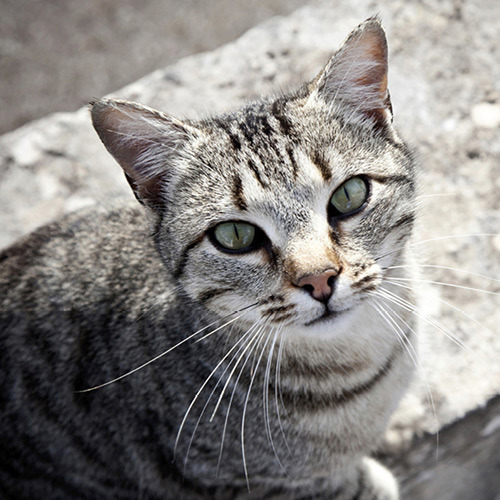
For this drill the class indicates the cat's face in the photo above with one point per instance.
(289, 210)
(300, 225)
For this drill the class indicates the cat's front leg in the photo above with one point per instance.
(376, 482)
(372, 482)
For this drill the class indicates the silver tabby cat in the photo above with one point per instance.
(251, 276)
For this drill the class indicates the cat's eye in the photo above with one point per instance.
(235, 236)
(350, 196)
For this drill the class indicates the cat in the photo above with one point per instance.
(222, 338)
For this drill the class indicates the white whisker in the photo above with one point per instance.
(411, 351)
(243, 350)
(277, 391)
(193, 401)
(452, 306)
(265, 397)
(451, 236)
(449, 268)
(396, 328)
(245, 406)
(441, 283)
(247, 339)
(429, 319)
(430, 240)
(435, 195)
(170, 349)
(255, 341)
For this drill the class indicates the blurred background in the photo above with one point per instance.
(56, 55)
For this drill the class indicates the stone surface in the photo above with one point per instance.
(444, 65)
(462, 464)
(57, 55)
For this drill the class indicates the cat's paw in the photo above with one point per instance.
(379, 481)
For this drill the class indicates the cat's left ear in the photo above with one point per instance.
(146, 143)
(355, 79)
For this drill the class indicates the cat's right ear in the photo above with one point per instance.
(143, 141)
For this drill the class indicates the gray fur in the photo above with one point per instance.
(276, 402)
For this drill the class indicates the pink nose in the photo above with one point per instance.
(320, 286)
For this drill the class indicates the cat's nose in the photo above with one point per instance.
(320, 286)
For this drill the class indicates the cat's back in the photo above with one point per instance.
(96, 254)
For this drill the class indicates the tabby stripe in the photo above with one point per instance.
(317, 371)
(184, 256)
(318, 401)
(293, 163)
(235, 141)
(322, 165)
(237, 193)
(35, 476)
(284, 316)
(212, 293)
(361, 486)
(33, 338)
(255, 170)
(405, 220)
(334, 235)
(15, 459)
(364, 281)
(279, 309)
(50, 412)
(266, 127)
(392, 179)
(248, 129)
(284, 122)
(272, 298)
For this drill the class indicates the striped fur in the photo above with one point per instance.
(279, 395)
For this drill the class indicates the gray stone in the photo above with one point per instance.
(444, 64)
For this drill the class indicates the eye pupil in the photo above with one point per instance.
(234, 236)
(350, 196)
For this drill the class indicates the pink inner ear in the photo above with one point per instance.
(356, 76)
(125, 136)
(376, 51)
(375, 78)
(142, 141)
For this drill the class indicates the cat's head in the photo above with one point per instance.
(291, 207)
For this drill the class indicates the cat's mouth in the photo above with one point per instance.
(327, 315)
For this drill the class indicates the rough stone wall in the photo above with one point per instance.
(445, 86)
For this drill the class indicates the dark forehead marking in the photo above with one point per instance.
(319, 160)
(249, 126)
(266, 127)
(235, 141)
(256, 172)
(277, 110)
(255, 126)
(237, 193)
(293, 163)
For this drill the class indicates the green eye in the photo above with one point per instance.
(237, 236)
(350, 196)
